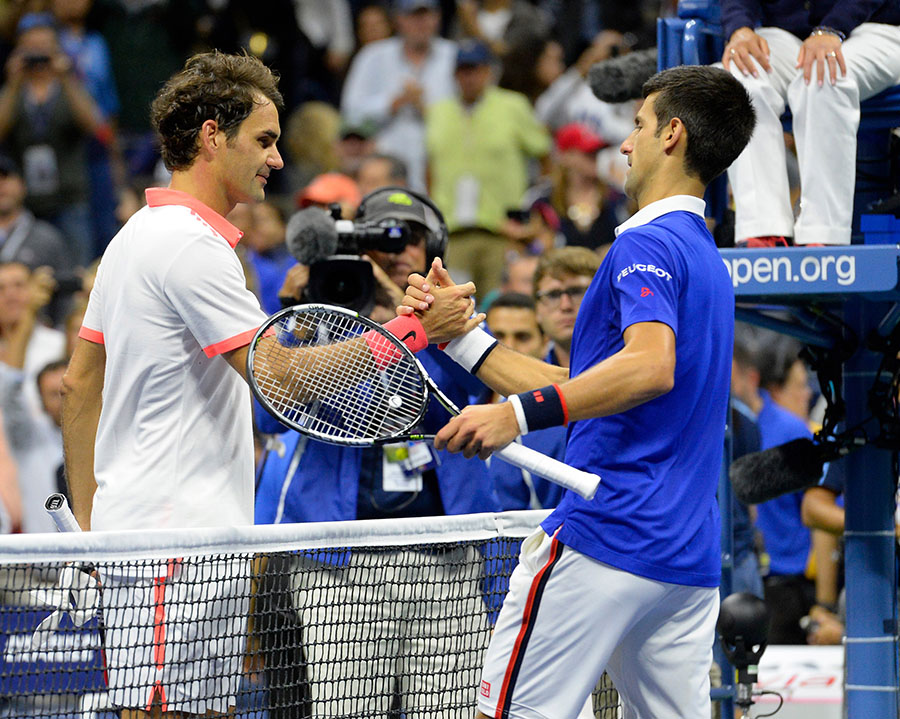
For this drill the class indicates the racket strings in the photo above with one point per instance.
(316, 370)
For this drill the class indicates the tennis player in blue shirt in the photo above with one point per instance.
(626, 582)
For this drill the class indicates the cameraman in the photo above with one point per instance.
(306, 480)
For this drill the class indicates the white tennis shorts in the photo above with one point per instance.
(176, 632)
(568, 617)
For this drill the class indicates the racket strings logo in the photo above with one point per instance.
(485, 689)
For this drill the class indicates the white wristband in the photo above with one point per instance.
(520, 413)
(470, 349)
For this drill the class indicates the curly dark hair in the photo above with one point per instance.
(211, 86)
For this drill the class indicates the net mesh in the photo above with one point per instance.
(336, 376)
(384, 618)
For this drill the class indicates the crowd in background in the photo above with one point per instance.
(482, 104)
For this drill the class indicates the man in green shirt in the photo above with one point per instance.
(479, 146)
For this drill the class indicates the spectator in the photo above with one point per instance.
(26, 344)
(266, 252)
(823, 512)
(500, 24)
(379, 170)
(372, 24)
(11, 512)
(91, 61)
(313, 481)
(310, 139)
(28, 347)
(512, 320)
(329, 188)
(23, 237)
(392, 81)
(589, 209)
(531, 65)
(148, 42)
(820, 60)
(560, 281)
(518, 274)
(789, 593)
(568, 98)
(46, 119)
(746, 404)
(355, 143)
(479, 148)
(323, 48)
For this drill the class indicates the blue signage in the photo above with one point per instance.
(852, 269)
(68, 662)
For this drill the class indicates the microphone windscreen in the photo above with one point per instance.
(761, 476)
(311, 235)
(620, 79)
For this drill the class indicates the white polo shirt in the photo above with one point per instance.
(174, 444)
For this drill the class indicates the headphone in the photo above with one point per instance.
(437, 235)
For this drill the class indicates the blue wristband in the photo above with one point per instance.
(544, 407)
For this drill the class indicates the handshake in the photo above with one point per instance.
(445, 309)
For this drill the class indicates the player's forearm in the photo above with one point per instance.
(82, 400)
(626, 379)
(509, 372)
(80, 420)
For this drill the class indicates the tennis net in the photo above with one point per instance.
(386, 618)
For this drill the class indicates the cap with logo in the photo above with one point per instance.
(402, 204)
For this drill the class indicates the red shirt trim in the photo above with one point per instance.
(86, 333)
(232, 343)
(162, 196)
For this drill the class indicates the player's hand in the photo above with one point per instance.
(445, 309)
(452, 313)
(479, 430)
(822, 51)
(743, 47)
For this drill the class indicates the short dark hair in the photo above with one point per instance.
(211, 86)
(512, 300)
(775, 358)
(566, 261)
(716, 112)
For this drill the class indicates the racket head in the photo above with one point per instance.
(341, 378)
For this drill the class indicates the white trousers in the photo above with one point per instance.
(825, 121)
(567, 617)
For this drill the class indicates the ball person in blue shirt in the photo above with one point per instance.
(626, 582)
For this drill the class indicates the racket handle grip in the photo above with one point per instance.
(579, 481)
(58, 508)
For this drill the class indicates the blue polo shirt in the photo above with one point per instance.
(787, 540)
(655, 512)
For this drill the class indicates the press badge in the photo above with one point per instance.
(403, 465)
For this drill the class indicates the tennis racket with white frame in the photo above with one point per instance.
(338, 377)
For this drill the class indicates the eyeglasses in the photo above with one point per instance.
(551, 298)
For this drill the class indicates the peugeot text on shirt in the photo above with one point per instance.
(637, 267)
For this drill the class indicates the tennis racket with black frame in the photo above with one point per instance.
(338, 377)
